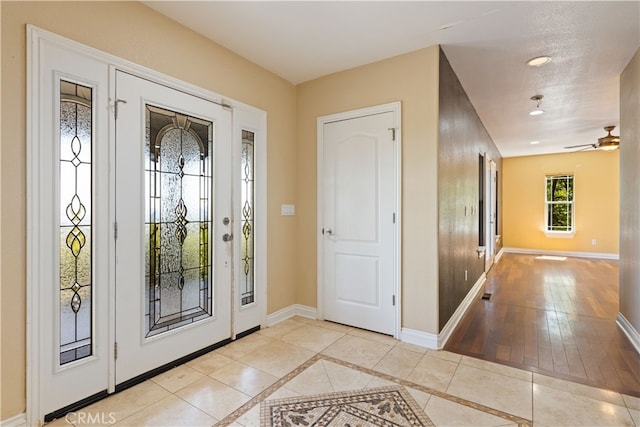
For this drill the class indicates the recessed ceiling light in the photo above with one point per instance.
(536, 112)
(538, 61)
(534, 142)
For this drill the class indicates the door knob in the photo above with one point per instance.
(329, 232)
(227, 237)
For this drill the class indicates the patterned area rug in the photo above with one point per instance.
(386, 406)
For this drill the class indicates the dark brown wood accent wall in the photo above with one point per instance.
(462, 138)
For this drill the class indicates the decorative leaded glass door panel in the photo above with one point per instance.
(173, 193)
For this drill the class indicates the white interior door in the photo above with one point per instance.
(359, 184)
(173, 210)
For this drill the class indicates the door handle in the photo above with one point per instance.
(227, 237)
(329, 232)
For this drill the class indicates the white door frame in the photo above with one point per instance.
(396, 109)
(490, 211)
(38, 40)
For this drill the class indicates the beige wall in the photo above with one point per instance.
(413, 80)
(137, 33)
(596, 201)
(630, 192)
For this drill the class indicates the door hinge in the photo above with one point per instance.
(394, 217)
(115, 107)
(115, 230)
(393, 300)
(393, 133)
(115, 351)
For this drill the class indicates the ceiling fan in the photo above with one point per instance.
(608, 142)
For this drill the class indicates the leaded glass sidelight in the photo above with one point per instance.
(76, 305)
(178, 179)
(247, 271)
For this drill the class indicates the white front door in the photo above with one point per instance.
(163, 174)
(359, 221)
(173, 213)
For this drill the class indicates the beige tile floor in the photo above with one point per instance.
(303, 357)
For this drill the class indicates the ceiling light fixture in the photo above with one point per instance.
(537, 111)
(609, 142)
(606, 143)
(534, 142)
(538, 61)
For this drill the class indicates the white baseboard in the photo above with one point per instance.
(599, 255)
(448, 329)
(629, 331)
(410, 336)
(292, 310)
(438, 341)
(305, 311)
(19, 420)
(423, 339)
(498, 256)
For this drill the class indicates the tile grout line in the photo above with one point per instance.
(454, 374)
(153, 403)
(324, 368)
(260, 397)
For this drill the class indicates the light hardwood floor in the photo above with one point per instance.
(552, 317)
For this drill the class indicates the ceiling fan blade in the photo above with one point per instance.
(582, 145)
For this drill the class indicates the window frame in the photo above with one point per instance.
(548, 203)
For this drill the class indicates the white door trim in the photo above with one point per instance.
(37, 42)
(490, 211)
(396, 109)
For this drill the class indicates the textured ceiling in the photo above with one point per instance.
(487, 44)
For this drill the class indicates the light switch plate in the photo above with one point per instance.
(287, 210)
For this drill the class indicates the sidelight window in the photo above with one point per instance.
(247, 250)
(76, 138)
